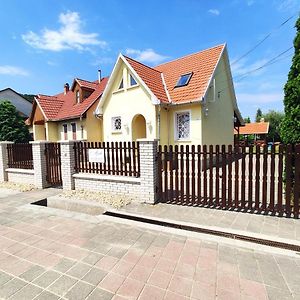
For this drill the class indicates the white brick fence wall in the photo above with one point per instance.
(142, 189)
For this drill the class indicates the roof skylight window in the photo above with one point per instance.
(184, 79)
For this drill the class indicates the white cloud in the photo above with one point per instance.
(68, 36)
(147, 55)
(214, 11)
(52, 63)
(287, 5)
(260, 98)
(13, 71)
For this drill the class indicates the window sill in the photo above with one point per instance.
(116, 131)
(132, 87)
(183, 140)
(118, 91)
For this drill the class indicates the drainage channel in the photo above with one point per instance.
(229, 235)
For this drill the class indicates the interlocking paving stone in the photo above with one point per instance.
(28, 292)
(79, 270)
(98, 294)
(45, 295)
(11, 287)
(4, 278)
(94, 276)
(79, 291)
(46, 278)
(64, 265)
(62, 285)
(179, 266)
(92, 258)
(278, 294)
(32, 273)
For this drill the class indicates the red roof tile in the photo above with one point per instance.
(62, 106)
(151, 77)
(87, 84)
(254, 128)
(202, 64)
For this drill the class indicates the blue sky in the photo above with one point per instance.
(47, 43)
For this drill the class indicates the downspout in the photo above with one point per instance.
(168, 122)
(158, 122)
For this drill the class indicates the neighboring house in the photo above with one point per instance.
(22, 105)
(68, 115)
(189, 100)
(256, 131)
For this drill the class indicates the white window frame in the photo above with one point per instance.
(129, 81)
(74, 132)
(113, 119)
(122, 88)
(176, 135)
(65, 133)
(77, 96)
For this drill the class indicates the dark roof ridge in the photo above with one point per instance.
(21, 95)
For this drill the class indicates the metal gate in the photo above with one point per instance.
(53, 164)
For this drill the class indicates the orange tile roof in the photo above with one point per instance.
(151, 77)
(254, 128)
(62, 106)
(202, 64)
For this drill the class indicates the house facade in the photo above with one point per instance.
(22, 105)
(68, 115)
(190, 100)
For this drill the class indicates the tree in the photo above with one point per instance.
(12, 126)
(258, 115)
(247, 120)
(274, 118)
(29, 97)
(290, 127)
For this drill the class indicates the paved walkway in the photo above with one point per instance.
(49, 254)
(275, 228)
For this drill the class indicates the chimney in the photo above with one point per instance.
(66, 88)
(99, 75)
(262, 120)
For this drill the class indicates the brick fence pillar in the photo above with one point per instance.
(3, 160)
(39, 164)
(67, 164)
(148, 168)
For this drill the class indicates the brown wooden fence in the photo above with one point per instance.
(253, 179)
(53, 164)
(20, 156)
(119, 158)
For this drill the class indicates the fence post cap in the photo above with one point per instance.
(147, 141)
(66, 142)
(39, 142)
(6, 142)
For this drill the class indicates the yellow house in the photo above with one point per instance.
(68, 115)
(190, 100)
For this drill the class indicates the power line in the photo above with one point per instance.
(262, 40)
(270, 62)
